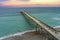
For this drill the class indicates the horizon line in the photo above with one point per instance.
(24, 6)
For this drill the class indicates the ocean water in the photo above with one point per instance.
(12, 21)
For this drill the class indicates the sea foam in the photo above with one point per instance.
(56, 18)
(16, 34)
(57, 26)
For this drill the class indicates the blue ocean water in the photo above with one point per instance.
(12, 21)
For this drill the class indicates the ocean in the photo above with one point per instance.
(12, 21)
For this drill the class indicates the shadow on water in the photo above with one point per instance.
(31, 23)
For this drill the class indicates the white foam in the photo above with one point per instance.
(57, 26)
(16, 34)
(56, 18)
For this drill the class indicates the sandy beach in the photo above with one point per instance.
(27, 35)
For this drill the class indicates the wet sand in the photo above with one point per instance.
(28, 35)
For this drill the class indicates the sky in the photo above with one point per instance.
(30, 3)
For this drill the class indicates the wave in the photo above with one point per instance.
(57, 26)
(21, 33)
(56, 18)
(16, 34)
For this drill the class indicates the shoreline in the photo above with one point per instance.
(21, 33)
(16, 34)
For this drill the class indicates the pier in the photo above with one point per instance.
(52, 34)
(39, 31)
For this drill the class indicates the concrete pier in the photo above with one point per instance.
(51, 32)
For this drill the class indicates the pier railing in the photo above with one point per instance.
(41, 26)
(28, 17)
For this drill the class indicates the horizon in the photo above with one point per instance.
(29, 3)
(23, 7)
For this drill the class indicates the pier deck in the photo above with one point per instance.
(53, 33)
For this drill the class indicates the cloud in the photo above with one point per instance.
(23, 0)
(3, 0)
(1, 4)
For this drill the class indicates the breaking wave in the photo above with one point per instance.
(16, 34)
(57, 26)
(56, 18)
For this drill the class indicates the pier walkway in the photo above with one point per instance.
(52, 33)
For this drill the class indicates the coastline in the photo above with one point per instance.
(16, 34)
(20, 34)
